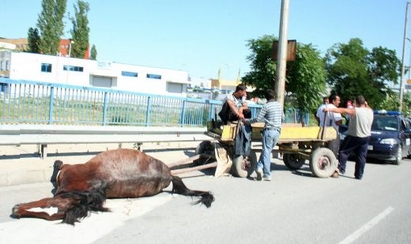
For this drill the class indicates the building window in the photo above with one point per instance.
(4, 65)
(154, 76)
(129, 73)
(73, 68)
(46, 67)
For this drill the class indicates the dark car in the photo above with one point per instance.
(390, 137)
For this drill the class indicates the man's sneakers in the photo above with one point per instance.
(259, 174)
(260, 177)
(266, 178)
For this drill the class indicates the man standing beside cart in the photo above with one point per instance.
(319, 111)
(272, 115)
(333, 119)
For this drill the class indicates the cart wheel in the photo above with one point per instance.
(293, 160)
(244, 166)
(206, 151)
(323, 162)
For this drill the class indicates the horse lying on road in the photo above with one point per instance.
(122, 173)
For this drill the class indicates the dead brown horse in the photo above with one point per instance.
(121, 173)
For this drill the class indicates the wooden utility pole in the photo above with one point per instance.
(403, 57)
(279, 84)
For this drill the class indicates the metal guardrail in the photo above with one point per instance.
(57, 134)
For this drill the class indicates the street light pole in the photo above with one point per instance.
(69, 53)
(403, 57)
(279, 86)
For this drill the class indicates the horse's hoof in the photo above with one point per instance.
(15, 212)
(58, 164)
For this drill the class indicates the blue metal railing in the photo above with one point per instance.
(31, 102)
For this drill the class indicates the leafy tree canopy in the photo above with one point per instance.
(306, 76)
(354, 70)
(51, 26)
(33, 40)
(80, 31)
(93, 53)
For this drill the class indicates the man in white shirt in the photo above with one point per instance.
(319, 115)
(332, 119)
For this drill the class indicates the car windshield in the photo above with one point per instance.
(385, 123)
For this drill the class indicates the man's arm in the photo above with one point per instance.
(350, 111)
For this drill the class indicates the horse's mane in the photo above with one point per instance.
(85, 202)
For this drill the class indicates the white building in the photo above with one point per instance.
(7, 46)
(84, 72)
(200, 82)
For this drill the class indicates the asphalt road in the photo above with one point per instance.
(294, 207)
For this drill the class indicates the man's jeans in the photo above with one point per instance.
(269, 139)
(359, 147)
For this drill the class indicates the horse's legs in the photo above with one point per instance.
(179, 187)
(56, 168)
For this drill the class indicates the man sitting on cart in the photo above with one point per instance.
(235, 107)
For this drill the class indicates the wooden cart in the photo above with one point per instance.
(297, 144)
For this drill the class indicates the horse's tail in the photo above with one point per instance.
(179, 187)
(92, 200)
(56, 168)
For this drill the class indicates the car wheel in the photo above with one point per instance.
(398, 157)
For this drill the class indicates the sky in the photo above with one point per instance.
(201, 37)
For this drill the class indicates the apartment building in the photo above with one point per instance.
(84, 72)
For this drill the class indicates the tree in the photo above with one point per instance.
(51, 25)
(33, 39)
(353, 70)
(406, 104)
(93, 53)
(392, 103)
(305, 77)
(263, 68)
(80, 31)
